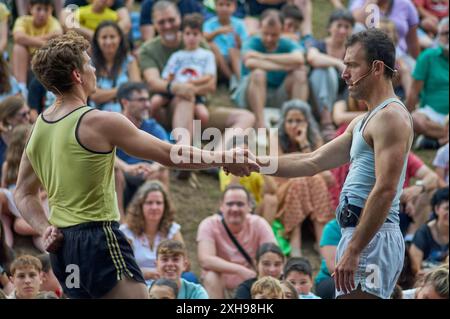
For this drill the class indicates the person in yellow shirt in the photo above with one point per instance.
(92, 15)
(4, 14)
(30, 32)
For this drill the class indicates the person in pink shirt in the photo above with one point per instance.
(223, 265)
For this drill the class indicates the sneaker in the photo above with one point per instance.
(183, 175)
(426, 143)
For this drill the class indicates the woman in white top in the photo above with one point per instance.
(149, 220)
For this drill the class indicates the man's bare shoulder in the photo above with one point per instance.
(393, 116)
(99, 118)
(353, 123)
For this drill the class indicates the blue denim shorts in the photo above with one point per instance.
(380, 263)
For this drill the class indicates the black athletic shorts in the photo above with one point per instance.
(92, 259)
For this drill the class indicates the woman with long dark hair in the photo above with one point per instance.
(303, 197)
(114, 65)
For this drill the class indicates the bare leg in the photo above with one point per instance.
(214, 285)
(423, 125)
(422, 208)
(127, 288)
(297, 84)
(235, 60)
(201, 113)
(156, 103)
(20, 62)
(270, 205)
(222, 64)
(256, 95)
(296, 241)
(182, 117)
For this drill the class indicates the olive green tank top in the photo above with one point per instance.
(79, 182)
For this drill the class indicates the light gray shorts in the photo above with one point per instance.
(380, 263)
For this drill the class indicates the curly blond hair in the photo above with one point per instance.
(135, 217)
(54, 62)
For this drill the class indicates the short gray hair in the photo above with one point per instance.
(164, 5)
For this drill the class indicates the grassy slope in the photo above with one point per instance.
(193, 205)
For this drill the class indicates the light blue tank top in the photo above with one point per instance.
(361, 177)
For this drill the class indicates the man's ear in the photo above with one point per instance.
(76, 77)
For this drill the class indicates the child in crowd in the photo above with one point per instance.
(267, 288)
(30, 32)
(49, 282)
(171, 261)
(434, 285)
(298, 272)
(26, 277)
(192, 65)
(289, 290)
(93, 14)
(163, 289)
(225, 35)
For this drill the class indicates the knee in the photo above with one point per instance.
(300, 75)
(212, 279)
(20, 50)
(271, 199)
(258, 76)
(182, 105)
(419, 121)
(244, 119)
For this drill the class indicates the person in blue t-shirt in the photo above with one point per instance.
(272, 69)
(146, 21)
(171, 261)
(132, 172)
(225, 35)
(331, 235)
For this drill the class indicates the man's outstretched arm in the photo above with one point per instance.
(118, 131)
(333, 154)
